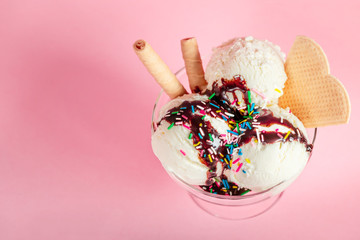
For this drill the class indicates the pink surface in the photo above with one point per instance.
(75, 154)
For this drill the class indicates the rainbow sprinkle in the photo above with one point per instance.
(183, 152)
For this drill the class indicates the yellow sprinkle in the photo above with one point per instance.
(218, 111)
(221, 155)
(277, 90)
(232, 121)
(251, 112)
(243, 121)
(247, 160)
(234, 186)
(197, 144)
(288, 133)
(226, 161)
(255, 140)
(242, 110)
(200, 124)
(230, 163)
(239, 103)
(210, 158)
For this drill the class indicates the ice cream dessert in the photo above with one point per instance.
(230, 136)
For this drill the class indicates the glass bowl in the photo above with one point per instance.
(225, 206)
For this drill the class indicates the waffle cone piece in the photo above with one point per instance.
(317, 98)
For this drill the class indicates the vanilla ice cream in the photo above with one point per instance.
(234, 138)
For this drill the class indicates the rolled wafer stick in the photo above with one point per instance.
(193, 64)
(158, 69)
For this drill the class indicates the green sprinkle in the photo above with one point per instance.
(243, 193)
(211, 190)
(190, 135)
(171, 125)
(174, 112)
(249, 96)
(237, 127)
(211, 137)
(212, 95)
(203, 117)
(248, 108)
(217, 180)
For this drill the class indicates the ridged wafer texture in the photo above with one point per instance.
(313, 95)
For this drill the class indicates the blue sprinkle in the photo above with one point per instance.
(248, 125)
(204, 155)
(255, 112)
(183, 108)
(214, 105)
(221, 160)
(224, 118)
(227, 156)
(232, 132)
(231, 149)
(200, 136)
(240, 152)
(228, 166)
(224, 101)
(252, 107)
(244, 171)
(192, 108)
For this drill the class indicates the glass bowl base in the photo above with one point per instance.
(236, 212)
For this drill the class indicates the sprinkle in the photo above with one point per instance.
(196, 144)
(247, 160)
(226, 184)
(237, 127)
(183, 108)
(229, 114)
(185, 117)
(171, 126)
(186, 126)
(240, 165)
(248, 125)
(249, 96)
(233, 102)
(288, 133)
(174, 112)
(277, 90)
(190, 136)
(235, 187)
(211, 138)
(212, 95)
(252, 107)
(201, 131)
(236, 161)
(297, 130)
(210, 158)
(262, 137)
(224, 117)
(203, 117)
(240, 152)
(279, 135)
(281, 120)
(227, 156)
(243, 193)
(192, 109)
(179, 123)
(243, 171)
(258, 93)
(248, 108)
(200, 136)
(235, 133)
(201, 153)
(183, 152)
(200, 107)
(214, 105)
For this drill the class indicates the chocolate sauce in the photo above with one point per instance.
(214, 148)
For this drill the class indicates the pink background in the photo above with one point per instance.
(75, 154)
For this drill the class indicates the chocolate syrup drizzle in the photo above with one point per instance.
(209, 142)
